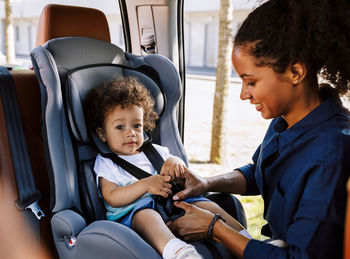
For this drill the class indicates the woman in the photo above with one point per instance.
(301, 167)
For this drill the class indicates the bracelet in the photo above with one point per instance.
(212, 223)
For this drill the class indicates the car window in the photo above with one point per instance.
(245, 127)
(25, 18)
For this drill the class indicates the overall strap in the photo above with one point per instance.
(28, 194)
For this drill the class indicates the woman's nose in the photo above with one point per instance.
(245, 94)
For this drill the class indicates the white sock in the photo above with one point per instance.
(172, 247)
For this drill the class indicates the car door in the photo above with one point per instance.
(156, 26)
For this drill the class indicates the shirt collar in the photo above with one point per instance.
(317, 116)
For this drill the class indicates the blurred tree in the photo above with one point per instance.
(218, 152)
(9, 34)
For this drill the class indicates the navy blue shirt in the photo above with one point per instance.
(301, 173)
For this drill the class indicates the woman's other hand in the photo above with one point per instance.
(194, 224)
(194, 185)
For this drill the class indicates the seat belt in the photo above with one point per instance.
(151, 153)
(28, 194)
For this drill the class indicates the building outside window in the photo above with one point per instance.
(201, 27)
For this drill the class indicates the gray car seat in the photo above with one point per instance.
(67, 68)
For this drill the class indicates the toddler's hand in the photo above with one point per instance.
(158, 184)
(174, 167)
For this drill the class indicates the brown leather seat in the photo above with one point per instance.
(61, 21)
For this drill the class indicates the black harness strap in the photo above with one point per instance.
(153, 156)
(163, 206)
(132, 169)
(28, 194)
(151, 153)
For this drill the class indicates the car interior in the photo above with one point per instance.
(73, 55)
(46, 151)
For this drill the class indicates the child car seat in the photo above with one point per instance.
(67, 68)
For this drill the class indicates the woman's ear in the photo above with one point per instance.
(297, 73)
(101, 134)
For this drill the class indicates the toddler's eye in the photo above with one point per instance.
(137, 126)
(119, 127)
(250, 83)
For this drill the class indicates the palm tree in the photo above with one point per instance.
(218, 153)
(9, 34)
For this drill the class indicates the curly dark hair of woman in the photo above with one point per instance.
(124, 91)
(280, 33)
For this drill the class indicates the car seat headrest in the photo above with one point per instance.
(58, 21)
(68, 53)
(81, 80)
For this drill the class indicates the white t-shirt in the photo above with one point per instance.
(106, 168)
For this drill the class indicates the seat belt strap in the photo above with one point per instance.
(28, 194)
(151, 153)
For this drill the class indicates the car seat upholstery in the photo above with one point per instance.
(67, 68)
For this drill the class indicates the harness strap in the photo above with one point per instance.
(157, 162)
(151, 153)
(153, 156)
(130, 168)
(28, 194)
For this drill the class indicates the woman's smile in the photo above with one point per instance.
(258, 106)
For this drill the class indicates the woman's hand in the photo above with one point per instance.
(174, 167)
(158, 184)
(194, 224)
(194, 185)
